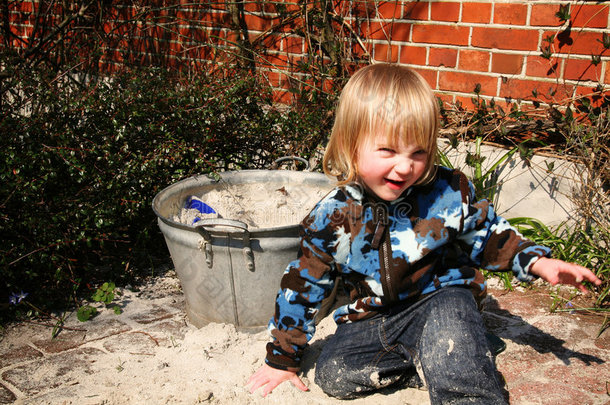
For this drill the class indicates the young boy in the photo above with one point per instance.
(407, 238)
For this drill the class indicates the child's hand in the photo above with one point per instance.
(560, 272)
(269, 378)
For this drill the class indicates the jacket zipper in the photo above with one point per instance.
(387, 266)
(381, 239)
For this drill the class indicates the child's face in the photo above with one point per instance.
(388, 170)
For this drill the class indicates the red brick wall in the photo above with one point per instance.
(453, 44)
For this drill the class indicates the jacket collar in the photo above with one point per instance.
(369, 195)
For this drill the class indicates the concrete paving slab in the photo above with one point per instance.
(46, 374)
(150, 353)
(6, 396)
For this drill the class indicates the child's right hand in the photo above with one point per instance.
(269, 378)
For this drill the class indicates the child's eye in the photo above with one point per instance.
(386, 150)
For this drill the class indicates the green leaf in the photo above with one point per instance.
(564, 13)
(85, 313)
(596, 60)
(605, 40)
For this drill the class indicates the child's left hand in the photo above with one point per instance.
(559, 272)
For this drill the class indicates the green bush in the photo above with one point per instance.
(82, 162)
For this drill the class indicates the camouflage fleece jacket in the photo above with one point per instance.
(388, 252)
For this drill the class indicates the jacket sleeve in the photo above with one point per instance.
(492, 242)
(305, 283)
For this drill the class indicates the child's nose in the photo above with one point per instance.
(404, 166)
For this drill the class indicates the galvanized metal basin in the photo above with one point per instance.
(228, 272)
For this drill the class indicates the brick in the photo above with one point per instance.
(414, 55)
(187, 32)
(257, 23)
(505, 38)
(109, 67)
(396, 31)
(507, 13)
(224, 37)
(155, 31)
(291, 6)
(6, 396)
(578, 42)
(254, 7)
(274, 78)
(375, 30)
(465, 101)
(509, 64)
(506, 105)
(443, 57)
(476, 13)
(292, 44)
(270, 42)
(538, 66)
(446, 99)
(385, 53)
(204, 53)
(358, 52)
(522, 89)
(513, 367)
(364, 9)
(607, 74)
(443, 11)
(416, 10)
(474, 60)
(389, 9)
(589, 15)
(591, 382)
(17, 354)
(329, 86)
(21, 6)
(175, 48)
(529, 392)
(155, 313)
(465, 82)
(189, 15)
(143, 343)
(440, 34)
(57, 9)
(275, 60)
(128, 13)
(282, 97)
(581, 69)
(291, 26)
(33, 378)
(218, 18)
(174, 327)
(231, 37)
(400, 31)
(429, 76)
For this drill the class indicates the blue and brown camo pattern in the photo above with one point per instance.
(438, 236)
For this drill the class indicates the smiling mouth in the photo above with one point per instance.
(395, 183)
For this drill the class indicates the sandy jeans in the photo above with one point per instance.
(442, 336)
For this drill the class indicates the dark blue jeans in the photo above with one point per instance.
(441, 336)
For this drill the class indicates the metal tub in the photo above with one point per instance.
(228, 272)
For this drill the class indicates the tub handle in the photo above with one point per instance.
(277, 162)
(205, 243)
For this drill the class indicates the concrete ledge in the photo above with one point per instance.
(525, 191)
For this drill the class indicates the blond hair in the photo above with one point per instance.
(384, 99)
